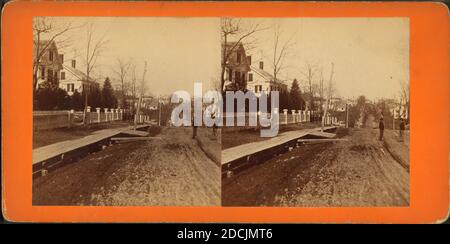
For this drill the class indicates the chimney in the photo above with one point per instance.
(74, 63)
(261, 65)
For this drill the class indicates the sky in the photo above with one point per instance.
(370, 55)
(178, 51)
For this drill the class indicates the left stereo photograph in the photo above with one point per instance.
(103, 131)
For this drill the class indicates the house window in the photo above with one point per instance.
(229, 74)
(258, 88)
(42, 73)
(261, 65)
(238, 58)
(73, 63)
(50, 55)
(50, 75)
(249, 59)
(63, 75)
(70, 87)
(250, 77)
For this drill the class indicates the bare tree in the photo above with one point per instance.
(321, 91)
(133, 87)
(232, 28)
(141, 95)
(309, 73)
(45, 29)
(122, 72)
(404, 99)
(92, 52)
(279, 51)
(330, 90)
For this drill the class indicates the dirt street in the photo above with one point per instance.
(172, 171)
(357, 172)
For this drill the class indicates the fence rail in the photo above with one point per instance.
(285, 117)
(45, 120)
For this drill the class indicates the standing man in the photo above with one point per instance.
(402, 128)
(381, 127)
(194, 128)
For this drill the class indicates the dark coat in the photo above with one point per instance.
(381, 125)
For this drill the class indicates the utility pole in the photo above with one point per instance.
(136, 116)
(346, 115)
(393, 118)
(159, 110)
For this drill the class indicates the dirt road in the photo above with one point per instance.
(357, 172)
(172, 171)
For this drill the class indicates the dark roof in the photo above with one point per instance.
(51, 46)
(266, 75)
(46, 42)
(78, 73)
(231, 44)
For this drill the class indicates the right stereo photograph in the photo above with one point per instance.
(336, 92)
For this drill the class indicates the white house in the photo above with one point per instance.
(259, 80)
(237, 65)
(49, 64)
(72, 79)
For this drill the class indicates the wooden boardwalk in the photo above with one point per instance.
(44, 153)
(235, 153)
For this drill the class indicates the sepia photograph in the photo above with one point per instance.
(211, 112)
(343, 112)
(292, 112)
(102, 129)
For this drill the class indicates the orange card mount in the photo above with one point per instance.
(427, 71)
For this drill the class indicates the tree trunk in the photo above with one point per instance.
(224, 63)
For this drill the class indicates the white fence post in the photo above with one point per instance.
(88, 114)
(98, 115)
(112, 114)
(285, 116)
(106, 114)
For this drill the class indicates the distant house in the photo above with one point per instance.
(72, 79)
(148, 102)
(260, 80)
(236, 67)
(337, 104)
(317, 101)
(50, 63)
